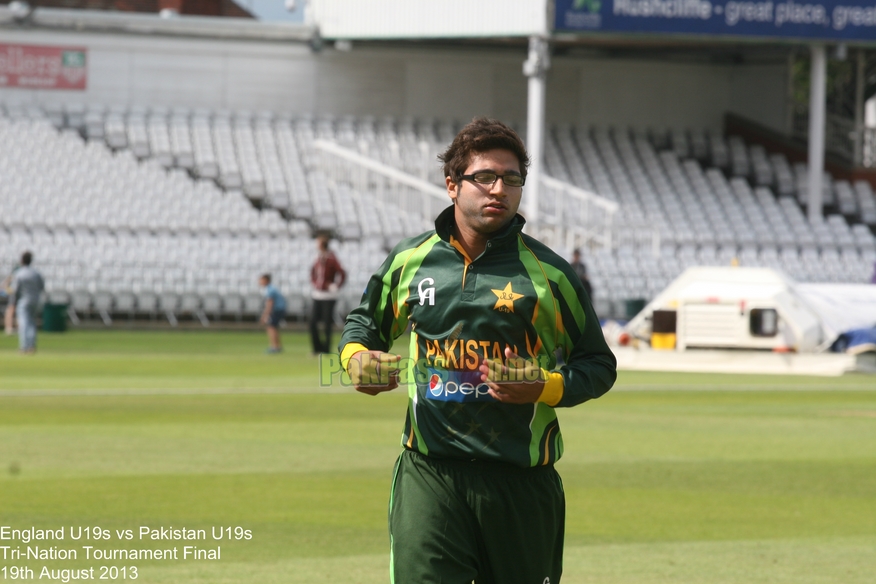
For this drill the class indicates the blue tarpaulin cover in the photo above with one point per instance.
(856, 341)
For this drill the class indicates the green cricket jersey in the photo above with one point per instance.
(519, 294)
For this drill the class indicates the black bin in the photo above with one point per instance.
(54, 318)
(664, 321)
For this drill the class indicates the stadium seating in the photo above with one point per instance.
(173, 213)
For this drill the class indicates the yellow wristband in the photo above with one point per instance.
(554, 386)
(348, 351)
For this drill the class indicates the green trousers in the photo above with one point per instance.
(458, 522)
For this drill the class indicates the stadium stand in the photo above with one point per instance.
(172, 213)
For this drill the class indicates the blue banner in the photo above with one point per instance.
(828, 20)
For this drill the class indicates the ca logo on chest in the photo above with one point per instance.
(426, 291)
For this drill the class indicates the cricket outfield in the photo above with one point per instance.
(676, 478)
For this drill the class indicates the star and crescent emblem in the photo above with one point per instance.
(506, 298)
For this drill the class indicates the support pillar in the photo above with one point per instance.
(535, 68)
(790, 103)
(817, 114)
(858, 154)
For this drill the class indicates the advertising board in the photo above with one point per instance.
(43, 67)
(825, 20)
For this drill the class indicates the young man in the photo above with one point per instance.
(502, 334)
(27, 286)
(580, 268)
(326, 278)
(275, 311)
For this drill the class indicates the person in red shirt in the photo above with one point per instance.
(326, 277)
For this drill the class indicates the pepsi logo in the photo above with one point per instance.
(435, 384)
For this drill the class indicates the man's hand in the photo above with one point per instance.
(374, 372)
(517, 381)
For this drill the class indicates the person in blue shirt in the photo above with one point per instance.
(275, 311)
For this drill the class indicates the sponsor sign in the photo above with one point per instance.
(828, 20)
(40, 67)
(456, 386)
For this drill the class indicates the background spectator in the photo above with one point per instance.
(326, 277)
(581, 269)
(27, 285)
(275, 311)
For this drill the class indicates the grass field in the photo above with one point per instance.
(676, 478)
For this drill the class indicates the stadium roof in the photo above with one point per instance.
(153, 24)
(228, 8)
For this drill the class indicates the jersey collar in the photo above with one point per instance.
(444, 225)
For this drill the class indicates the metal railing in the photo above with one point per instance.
(569, 217)
(388, 188)
(840, 137)
(573, 217)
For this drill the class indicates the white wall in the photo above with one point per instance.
(646, 94)
(387, 19)
(143, 70)
(449, 83)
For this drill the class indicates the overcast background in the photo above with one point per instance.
(274, 9)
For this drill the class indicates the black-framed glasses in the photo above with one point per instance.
(490, 178)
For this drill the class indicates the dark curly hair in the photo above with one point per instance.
(480, 135)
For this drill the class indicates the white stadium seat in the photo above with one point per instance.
(115, 231)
